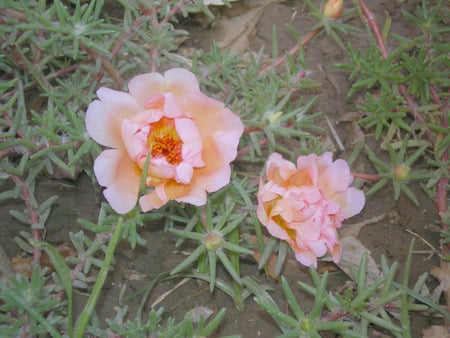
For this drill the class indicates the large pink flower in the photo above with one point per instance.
(184, 138)
(304, 205)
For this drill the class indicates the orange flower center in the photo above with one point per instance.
(163, 140)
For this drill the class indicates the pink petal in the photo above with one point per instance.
(336, 252)
(104, 116)
(210, 116)
(279, 169)
(276, 231)
(272, 190)
(306, 231)
(283, 208)
(351, 201)
(337, 177)
(179, 82)
(318, 248)
(192, 143)
(114, 170)
(212, 180)
(306, 258)
(143, 86)
(261, 214)
(155, 101)
(227, 143)
(161, 193)
(160, 168)
(184, 173)
(196, 196)
(307, 172)
(151, 201)
(324, 161)
(171, 107)
(135, 140)
(121, 104)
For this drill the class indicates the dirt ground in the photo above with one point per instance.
(134, 269)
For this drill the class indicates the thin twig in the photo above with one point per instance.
(107, 66)
(441, 193)
(294, 50)
(175, 10)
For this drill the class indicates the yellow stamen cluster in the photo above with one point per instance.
(163, 140)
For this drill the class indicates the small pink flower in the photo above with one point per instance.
(305, 205)
(189, 140)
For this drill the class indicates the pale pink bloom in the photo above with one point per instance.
(186, 139)
(306, 204)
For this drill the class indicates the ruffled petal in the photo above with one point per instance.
(122, 105)
(191, 193)
(276, 231)
(318, 248)
(180, 82)
(103, 117)
(351, 201)
(306, 258)
(278, 169)
(192, 149)
(135, 140)
(171, 108)
(102, 126)
(336, 177)
(227, 143)
(212, 179)
(143, 86)
(307, 173)
(184, 173)
(150, 201)
(114, 170)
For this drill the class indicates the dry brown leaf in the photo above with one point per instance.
(352, 252)
(65, 249)
(436, 331)
(22, 265)
(6, 269)
(442, 274)
(234, 32)
(271, 262)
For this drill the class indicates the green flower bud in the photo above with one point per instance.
(401, 172)
(333, 9)
(213, 241)
(306, 325)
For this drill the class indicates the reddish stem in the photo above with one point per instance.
(367, 177)
(125, 35)
(107, 66)
(174, 11)
(441, 193)
(402, 87)
(294, 50)
(33, 214)
(374, 27)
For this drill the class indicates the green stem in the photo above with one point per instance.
(234, 258)
(404, 314)
(85, 316)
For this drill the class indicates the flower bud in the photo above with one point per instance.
(274, 118)
(306, 325)
(213, 241)
(401, 172)
(333, 9)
